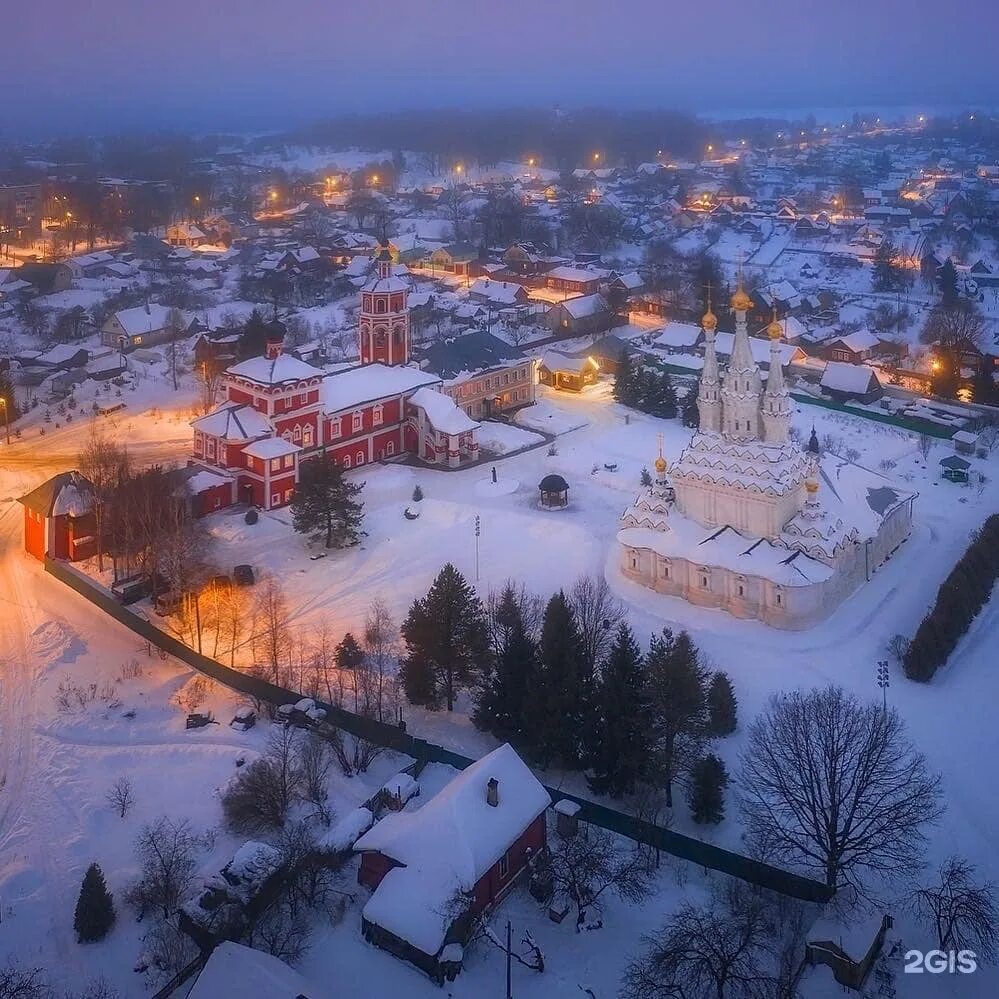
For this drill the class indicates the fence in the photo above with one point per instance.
(395, 738)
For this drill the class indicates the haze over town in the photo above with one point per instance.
(499, 500)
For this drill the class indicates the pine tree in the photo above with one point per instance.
(691, 414)
(706, 790)
(663, 395)
(885, 276)
(645, 478)
(625, 381)
(446, 641)
(722, 708)
(620, 743)
(348, 654)
(676, 690)
(947, 276)
(558, 706)
(8, 395)
(324, 505)
(646, 390)
(417, 493)
(95, 913)
(502, 700)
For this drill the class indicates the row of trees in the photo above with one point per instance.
(568, 685)
(960, 598)
(652, 391)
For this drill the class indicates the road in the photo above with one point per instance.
(33, 861)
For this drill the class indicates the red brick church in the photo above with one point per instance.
(279, 411)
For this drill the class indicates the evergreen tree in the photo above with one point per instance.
(502, 701)
(647, 389)
(676, 691)
(324, 505)
(558, 706)
(665, 405)
(625, 381)
(691, 414)
(722, 709)
(7, 394)
(95, 913)
(947, 276)
(645, 478)
(417, 493)
(348, 654)
(706, 789)
(256, 333)
(886, 271)
(446, 641)
(620, 743)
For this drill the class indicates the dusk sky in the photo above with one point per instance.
(260, 64)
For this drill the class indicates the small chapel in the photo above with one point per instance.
(747, 520)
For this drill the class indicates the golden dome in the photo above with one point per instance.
(775, 331)
(811, 486)
(709, 321)
(741, 302)
(660, 464)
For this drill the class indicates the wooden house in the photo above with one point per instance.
(561, 371)
(59, 519)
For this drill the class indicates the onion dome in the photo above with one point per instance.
(709, 321)
(775, 331)
(811, 486)
(661, 465)
(741, 302)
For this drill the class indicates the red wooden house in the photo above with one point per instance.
(433, 870)
(59, 519)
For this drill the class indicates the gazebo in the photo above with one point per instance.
(955, 468)
(554, 492)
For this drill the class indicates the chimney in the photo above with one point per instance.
(492, 792)
(273, 350)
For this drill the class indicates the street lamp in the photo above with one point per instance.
(6, 418)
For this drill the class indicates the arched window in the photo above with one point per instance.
(378, 415)
(780, 598)
(390, 449)
(346, 461)
(307, 435)
(360, 459)
(335, 427)
(380, 305)
(296, 434)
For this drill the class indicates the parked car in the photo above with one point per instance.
(243, 575)
(199, 719)
(130, 590)
(243, 719)
(167, 603)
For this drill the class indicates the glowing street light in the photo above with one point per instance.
(531, 161)
(6, 419)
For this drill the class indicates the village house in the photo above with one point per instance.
(560, 371)
(526, 260)
(433, 871)
(845, 382)
(578, 316)
(455, 258)
(186, 234)
(46, 279)
(483, 374)
(499, 294)
(853, 348)
(142, 326)
(573, 280)
(59, 519)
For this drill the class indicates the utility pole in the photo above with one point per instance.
(509, 968)
(478, 531)
(6, 418)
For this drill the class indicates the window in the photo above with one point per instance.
(275, 499)
(780, 598)
(390, 449)
(704, 582)
(359, 460)
(380, 305)
(211, 447)
(504, 865)
(307, 435)
(346, 461)
(378, 416)
(335, 427)
(288, 493)
(664, 568)
(741, 590)
(275, 464)
(634, 559)
(289, 461)
(358, 421)
(296, 434)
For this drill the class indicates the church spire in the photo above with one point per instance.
(708, 401)
(775, 412)
(742, 384)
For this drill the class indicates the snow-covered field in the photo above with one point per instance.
(58, 765)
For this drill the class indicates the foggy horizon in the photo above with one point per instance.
(250, 68)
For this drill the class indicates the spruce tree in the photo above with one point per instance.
(645, 478)
(722, 708)
(558, 706)
(324, 505)
(348, 654)
(95, 913)
(625, 384)
(691, 414)
(662, 395)
(706, 789)
(948, 284)
(620, 744)
(676, 691)
(446, 641)
(502, 700)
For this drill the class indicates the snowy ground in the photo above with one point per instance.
(53, 818)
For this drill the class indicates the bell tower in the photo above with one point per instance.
(741, 384)
(775, 412)
(383, 327)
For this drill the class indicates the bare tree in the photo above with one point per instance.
(585, 867)
(963, 913)
(316, 760)
(175, 330)
(835, 786)
(166, 853)
(718, 950)
(598, 613)
(259, 797)
(272, 627)
(104, 463)
(381, 646)
(22, 983)
(120, 796)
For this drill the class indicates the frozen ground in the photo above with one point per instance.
(53, 818)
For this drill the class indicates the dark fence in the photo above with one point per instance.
(393, 737)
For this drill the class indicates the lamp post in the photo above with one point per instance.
(6, 418)
(478, 531)
(884, 682)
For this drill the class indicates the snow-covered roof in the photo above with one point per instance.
(67, 493)
(390, 283)
(554, 361)
(274, 370)
(234, 971)
(760, 348)
(442, 412)
(234, 422)
(585, 305)
(841, 376)
(448, 845)
(143, 319)
(502, 292)
(678, 335)
(859, 341)
(566, 273)
(355, 386)
(271, 447)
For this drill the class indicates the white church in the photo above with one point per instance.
(747, 520)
